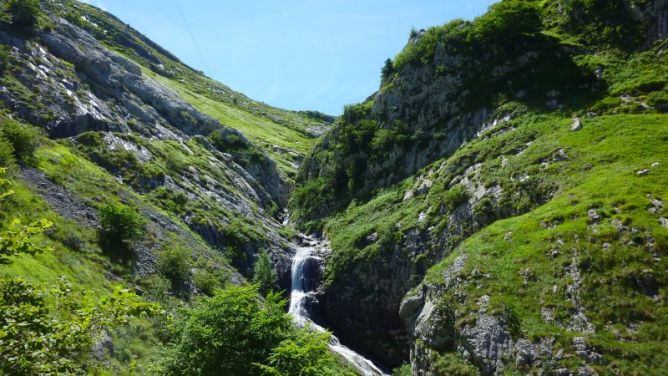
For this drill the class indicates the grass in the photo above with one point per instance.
(87, 265)
(286, 146)
(599, 172)
(625, 144)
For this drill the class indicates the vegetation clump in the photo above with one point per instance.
(175, 263)
(237, 333)
(23, 13)
(264, 275)
(32, 339)
(120, 224)
(24, 139)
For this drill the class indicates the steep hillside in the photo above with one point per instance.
(497, 207)
(498, 203)
(284, 135)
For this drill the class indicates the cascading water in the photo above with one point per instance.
(302, 292)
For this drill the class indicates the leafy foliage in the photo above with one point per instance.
(6, 153)
(120, 223)
(507, 20)
(605, 22)
(237, 333)
(23, 138)
(404, 370)
(306, 353)
(264, 274)
(24, 13)
(175, 263)
(32, 341)
(228, 333)
(19, 239)
(388, 69)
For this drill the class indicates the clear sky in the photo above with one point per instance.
(295, 54)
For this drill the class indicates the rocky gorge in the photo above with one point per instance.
(496, 207)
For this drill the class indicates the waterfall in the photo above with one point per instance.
(302, 292)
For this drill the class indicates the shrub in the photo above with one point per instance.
(4, 58)
(24, 13)
(264, 274)
(605, 22)
(57, 343)
(454, 365)
(174, 263)
(227, 141)
(18, 239)
(6, 153)
(206, 282)
(120, 223)
(404, 370)
(305, 354)
(36, 341)
(507, 20)
(24, 138)
(456, 196)
(229, 333)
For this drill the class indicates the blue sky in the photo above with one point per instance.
(295, 54)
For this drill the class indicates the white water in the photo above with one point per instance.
(298, 300)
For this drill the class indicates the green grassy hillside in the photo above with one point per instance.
(502, 195)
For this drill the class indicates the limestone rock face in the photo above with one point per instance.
(79, 85)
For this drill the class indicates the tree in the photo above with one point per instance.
(24, 13)
(264, 274)
(388, 68)
(229, 333)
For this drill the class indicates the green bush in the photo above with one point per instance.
(238, 333)
(454, 197)
(56, 344)
(6, 153)
(264, 275)
(24, 13)
(4, 58)
(404, 370)
(453, 365)
(206, 282)
(48, 331)
(605, 22)
(24, 138)
(507, 20)
(228, 141)
(229, 333)
(304, 354)
(174, 263)
(120, 223)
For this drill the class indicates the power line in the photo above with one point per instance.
(192, 39)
